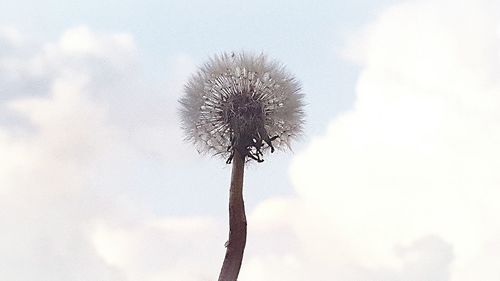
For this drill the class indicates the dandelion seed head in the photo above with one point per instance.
(241, 102)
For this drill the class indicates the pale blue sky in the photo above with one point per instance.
(306, 36)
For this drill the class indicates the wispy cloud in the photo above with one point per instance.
(69, 157)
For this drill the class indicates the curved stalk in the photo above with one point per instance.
(235, 246)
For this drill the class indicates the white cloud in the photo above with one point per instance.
(418, 154)
(52, 139)
(67, 162)
(402, 187)
(163, 249)
(10, 36)
(80, 41)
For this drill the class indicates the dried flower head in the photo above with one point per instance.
(242, 102)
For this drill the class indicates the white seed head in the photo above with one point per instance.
(243, 102)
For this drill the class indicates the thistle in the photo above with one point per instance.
(240, 106)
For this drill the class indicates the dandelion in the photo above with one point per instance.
(242, 102)
(241, 106)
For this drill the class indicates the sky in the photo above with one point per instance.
(395, 178)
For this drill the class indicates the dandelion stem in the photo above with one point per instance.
(235, 246)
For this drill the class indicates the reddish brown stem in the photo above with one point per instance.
(235, 246)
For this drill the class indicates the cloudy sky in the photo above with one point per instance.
(395, 179)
